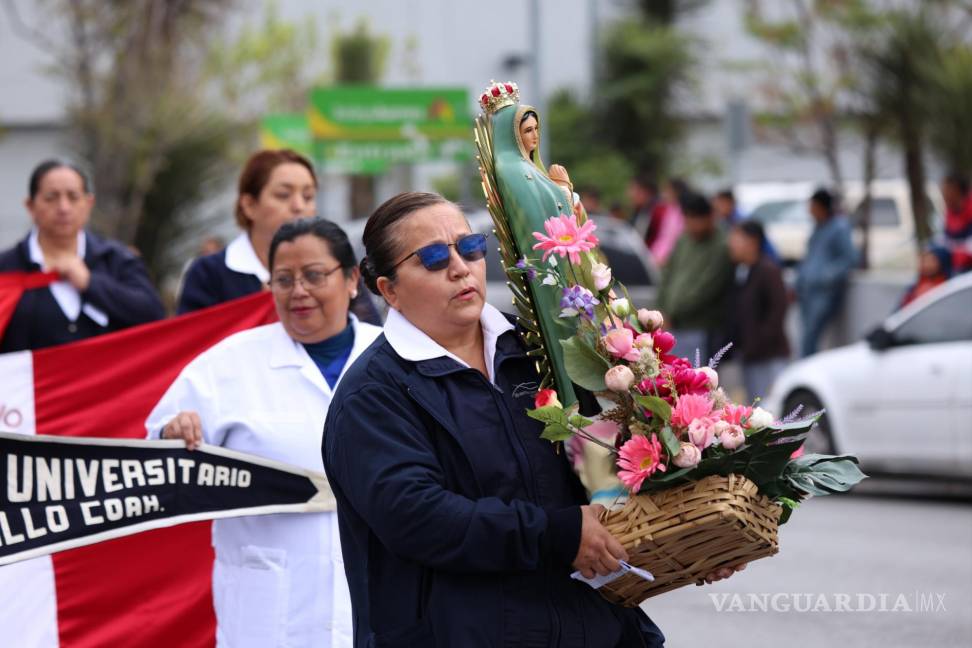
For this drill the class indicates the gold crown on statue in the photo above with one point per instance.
(499, 95)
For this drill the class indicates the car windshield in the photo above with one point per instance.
(781, 211)
(946, 320)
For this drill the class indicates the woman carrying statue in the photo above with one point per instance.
(460, 525)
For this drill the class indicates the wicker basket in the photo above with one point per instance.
(682, 534)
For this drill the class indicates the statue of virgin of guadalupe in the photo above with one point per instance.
(521, 196)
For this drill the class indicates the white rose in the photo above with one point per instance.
(601, 274)
(621, 307)
(619, 378)
(688, 456)
(713, 377)
(760, 419)
(652, 320)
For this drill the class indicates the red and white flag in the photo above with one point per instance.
(150, 589)
(13, 285)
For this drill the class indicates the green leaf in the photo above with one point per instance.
(670, 442)
(584, 364)
(824, 474)
(579, 421)
(549, 414)
(556, 432)
(656, 406)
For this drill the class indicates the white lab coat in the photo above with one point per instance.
(278, 579)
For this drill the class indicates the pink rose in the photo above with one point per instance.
(652, 320)
(620, 344)
(711, 375)
(619, 378)
(688, 456)
(643, 341)
(733, 437)
(701, 433)
(546, 398)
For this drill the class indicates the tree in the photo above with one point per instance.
(800, 90)
(898, 60)
(360, 58)
(131, 71)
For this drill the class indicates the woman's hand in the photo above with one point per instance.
(73, 270)
(725, 572)
(185, 426)
(599, 551)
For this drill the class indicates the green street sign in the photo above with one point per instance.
(286, 130)
(365, 113)
(374, 157)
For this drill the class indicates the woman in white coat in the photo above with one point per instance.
(279, 579)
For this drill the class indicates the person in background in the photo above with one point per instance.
(728, 214)
(825, 271)
(934, 269)
(591, 199)
(276, 186)
(103, 286)
(958, 220)
(725, 208)
(278, 580)
(211, 245)
(757, 304)
(667, 222)
(643, 197)
(696, 281)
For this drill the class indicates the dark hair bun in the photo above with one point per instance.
(370, 275)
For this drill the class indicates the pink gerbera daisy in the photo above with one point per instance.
(638, 460)
(565, 238)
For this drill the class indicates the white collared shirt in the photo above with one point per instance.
(412, 344)
(67, 296)
(241, 257)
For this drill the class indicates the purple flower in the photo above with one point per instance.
(531, 274)
(578, 300)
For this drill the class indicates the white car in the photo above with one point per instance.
(782, 207)
(901, 400)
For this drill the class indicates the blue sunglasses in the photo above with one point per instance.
(471, 247)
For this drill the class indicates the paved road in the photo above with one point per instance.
(864, 546)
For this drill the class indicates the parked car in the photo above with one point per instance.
(902, 399)
(626, 254)
(783, 209)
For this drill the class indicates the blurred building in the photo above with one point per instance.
(462, 43)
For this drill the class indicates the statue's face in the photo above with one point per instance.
(530, 133)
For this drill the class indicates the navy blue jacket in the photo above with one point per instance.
(119, 286)
(458, 522)
(209, 282)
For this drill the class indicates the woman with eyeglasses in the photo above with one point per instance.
(278, 580)
(460, 526)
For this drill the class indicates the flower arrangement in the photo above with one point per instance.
(673, 423)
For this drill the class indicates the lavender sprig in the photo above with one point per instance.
(717, 358)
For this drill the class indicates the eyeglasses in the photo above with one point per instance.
(309, 279)
(471, 247)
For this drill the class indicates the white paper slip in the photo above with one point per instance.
(600, 581)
